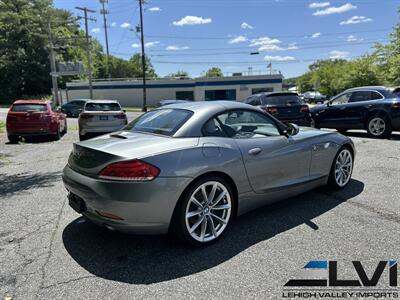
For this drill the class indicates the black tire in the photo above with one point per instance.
(314, 124)
(57, 136)
(332, 182)
(379, 134)
(65, 128)
(14, 139)
(178, 226)
(82, 137)
(342, 131)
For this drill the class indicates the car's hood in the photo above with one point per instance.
(137, 145)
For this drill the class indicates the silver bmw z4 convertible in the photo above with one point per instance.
(190, 168)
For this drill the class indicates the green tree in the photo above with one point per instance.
(135, 63)
(214, 72)
(179, 74)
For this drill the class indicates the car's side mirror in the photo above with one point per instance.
(292, 129)
(124, 110)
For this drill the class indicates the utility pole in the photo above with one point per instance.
(144, 106)
(53, 67)
(104, 12)
(86, 10)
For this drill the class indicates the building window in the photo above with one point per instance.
(220, 95)
(185, 95)
(262, 90)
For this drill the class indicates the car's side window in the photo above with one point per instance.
(247, 124)
(253, 101)
(342, 99)
(376, 96)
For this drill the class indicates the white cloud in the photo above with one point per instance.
(319, 4)
(352, 38)
(246, 26)
(292, 46)
(125, 25)
(263, 41)
(114, 24)
(271, 48)
(96, 30)
(316, 35)
(154, 9)
(176, 48)
(146, 45)
(336, 54)
(356, 20)
(335, 10)
(192, 20)
(238, 39)
(279, 58)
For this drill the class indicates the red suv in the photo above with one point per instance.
(34, 117)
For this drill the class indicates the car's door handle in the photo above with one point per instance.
(255, 151)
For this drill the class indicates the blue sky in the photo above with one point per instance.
(194, 35)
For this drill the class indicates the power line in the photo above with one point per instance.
(104, 12)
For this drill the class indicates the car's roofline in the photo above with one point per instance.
(102, 101)
(31, 102)
(372, 87)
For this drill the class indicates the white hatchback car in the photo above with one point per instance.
(100, 117)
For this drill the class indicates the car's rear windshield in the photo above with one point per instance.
(111, 106)
(281, 99)
(29, 107)
(388, 94)
(160, 121)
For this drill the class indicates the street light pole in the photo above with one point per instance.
(86, 10)
(144, 105)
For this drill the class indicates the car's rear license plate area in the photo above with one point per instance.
(103, 118)
(76, 203)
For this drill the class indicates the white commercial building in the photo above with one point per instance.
(129, 92)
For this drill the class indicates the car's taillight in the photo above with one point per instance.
(132, 170)
(120, 116)
(46, 116)
(85, 116)
(271, 110)
(304, 108)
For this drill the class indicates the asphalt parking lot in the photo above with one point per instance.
(47, 251)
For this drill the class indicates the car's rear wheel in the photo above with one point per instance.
(379, 127)
(314, 124)
(65, 127)
(342, 168)
(205, 211)
(57, 136)
(14, 139)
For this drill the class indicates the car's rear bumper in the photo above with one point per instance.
(145, 207)
(100, 129)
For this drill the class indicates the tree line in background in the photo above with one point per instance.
(382, 67)
(25, 65)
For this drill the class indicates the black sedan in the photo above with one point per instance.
(285, 106)
(374, 109)
(74, 107)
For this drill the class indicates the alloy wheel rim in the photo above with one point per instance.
(208, 211)
(377, 126)
(343, 167)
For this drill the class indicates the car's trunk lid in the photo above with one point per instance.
(91, 156)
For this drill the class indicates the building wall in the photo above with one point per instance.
(130, 93)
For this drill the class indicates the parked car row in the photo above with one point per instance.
(29, 118)
(375, 109)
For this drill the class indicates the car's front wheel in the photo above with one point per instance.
(379, 127)
(205, 211)
(342, 168)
